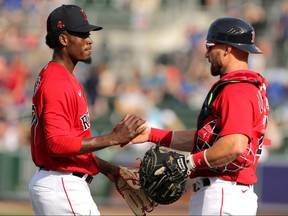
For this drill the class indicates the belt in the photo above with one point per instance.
(88, 178)
(206, 182)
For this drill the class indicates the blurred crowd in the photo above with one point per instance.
(152, 65)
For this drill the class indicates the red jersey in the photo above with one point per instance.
(60, 120)
(240, 107)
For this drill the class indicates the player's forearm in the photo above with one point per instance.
(108, 169)
(97, 143)
(226, 149)
(104, 166)
(178, 140)
(183, 140)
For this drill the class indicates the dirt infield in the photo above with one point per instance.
(15, 208)
(24, 208)
(115, 205)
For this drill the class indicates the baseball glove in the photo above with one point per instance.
(128, 186)
(163, 175)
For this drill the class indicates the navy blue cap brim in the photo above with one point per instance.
(86, 28)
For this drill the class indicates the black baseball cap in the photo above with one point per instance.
(71, 18)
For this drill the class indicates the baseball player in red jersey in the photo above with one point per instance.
(225, 147)
(61, 143)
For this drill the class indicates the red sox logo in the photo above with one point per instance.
(84, 14)
(60, 24)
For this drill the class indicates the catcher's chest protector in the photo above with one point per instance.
(214, 127)
(209, 126)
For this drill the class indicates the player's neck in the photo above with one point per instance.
(67, 66)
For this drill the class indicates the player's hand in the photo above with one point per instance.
(127, 129)
(141, 138)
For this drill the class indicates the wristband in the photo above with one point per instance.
(197, 161)
(164, 137)
(200, 160)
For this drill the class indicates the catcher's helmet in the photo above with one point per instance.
(234, 32)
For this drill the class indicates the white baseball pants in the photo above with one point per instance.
(60, 193)
(223, 198)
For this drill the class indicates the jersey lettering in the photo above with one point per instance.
(265, 122)
(85, 119)
(260, 146)
(267, 103)
(264, 110)
(260, 101)
(37, 83)
(34, 120)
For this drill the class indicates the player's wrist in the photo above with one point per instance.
(164, 137)
(197, 161)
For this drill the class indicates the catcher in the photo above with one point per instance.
(225, 147)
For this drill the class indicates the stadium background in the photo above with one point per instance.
(148, 60)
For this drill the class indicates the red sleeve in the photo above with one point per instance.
(59, 114)
(236, 109)
(63, 145)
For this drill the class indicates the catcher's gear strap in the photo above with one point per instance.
(163, 137)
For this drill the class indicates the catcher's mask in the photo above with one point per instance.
(235, 32)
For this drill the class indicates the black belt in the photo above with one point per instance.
(88, 179)
(206, 182)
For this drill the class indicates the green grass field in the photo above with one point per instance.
(24, 209)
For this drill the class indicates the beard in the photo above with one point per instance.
(215, 70)
(216, 66)
(87, 60)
